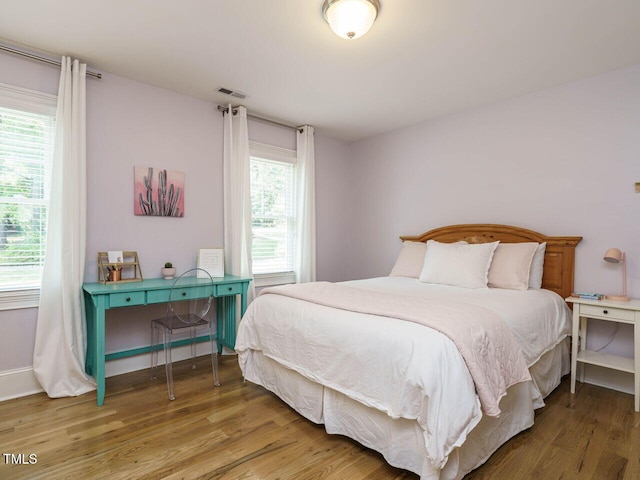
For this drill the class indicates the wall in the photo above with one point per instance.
(562, 161)
(335, 210)
(133, 124)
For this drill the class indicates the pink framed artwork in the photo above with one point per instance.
(158, 194)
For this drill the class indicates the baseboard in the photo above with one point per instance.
(18, 383)
(22, 382)
(142, 362)
(608, 378)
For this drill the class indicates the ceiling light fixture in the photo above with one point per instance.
(350, 18)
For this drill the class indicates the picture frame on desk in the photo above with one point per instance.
(212, 261)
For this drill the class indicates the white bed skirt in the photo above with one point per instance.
(401, 441)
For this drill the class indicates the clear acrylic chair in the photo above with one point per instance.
(185, 315)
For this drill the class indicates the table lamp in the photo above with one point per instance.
(615, 255)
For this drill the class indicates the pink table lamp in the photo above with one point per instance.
(615, 255)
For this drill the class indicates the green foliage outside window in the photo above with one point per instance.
(24, 155)
(272, 215)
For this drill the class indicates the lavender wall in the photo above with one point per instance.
(133, 124)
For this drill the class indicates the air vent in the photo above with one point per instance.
(233, 93)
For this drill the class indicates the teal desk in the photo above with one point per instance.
(100, 297)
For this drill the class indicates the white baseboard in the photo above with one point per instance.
(22, 382)
(608, 378)
(142, 362)
(18, 383)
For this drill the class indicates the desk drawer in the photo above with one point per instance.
(158, 296)
(126, 299)
(597, 311)
(178, 294)
(228, 289)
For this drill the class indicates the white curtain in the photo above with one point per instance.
(306, 197)
(237, 196)
(60, 345)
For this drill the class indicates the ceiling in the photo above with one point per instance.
(422, 59)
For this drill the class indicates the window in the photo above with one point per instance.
(27, 129)
(273, 214)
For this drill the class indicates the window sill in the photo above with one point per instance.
(272, 279)
(17, 299)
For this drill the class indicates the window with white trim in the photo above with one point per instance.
(273, 213)
(27, 130)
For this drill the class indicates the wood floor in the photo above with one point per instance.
(240, 431)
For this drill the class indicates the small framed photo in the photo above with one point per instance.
(115, 256)
(212, 261)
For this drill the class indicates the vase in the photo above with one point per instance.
(168, 273)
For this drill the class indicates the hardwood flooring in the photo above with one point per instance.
(241, 431)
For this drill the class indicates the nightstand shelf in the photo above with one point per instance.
(611, 311)
(606, 360)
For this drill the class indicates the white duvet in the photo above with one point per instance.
(403, 369)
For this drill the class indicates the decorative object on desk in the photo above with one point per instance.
(211, 260)
(115, 256)
(168, 271)
(588, 296)
(115, 273)
(162, 199)
(125, 268)
(615, 255)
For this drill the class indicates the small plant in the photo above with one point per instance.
(168, 271)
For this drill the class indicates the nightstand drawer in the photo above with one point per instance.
(126, 299)
(597, 311)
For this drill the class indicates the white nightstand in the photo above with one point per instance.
(623, 312)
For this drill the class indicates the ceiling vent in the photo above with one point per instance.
(233, 93)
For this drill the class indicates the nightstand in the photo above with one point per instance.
(612, 311)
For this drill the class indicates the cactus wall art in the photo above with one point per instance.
(158, 192)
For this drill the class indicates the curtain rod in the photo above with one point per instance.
(224, 110)
(41, 59)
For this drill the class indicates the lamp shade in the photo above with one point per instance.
(350, 18)
(614, 255)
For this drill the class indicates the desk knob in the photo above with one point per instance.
(184, 294)
(230, 288)
(605, 311)
(128, 299)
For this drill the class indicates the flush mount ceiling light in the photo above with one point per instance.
(350, 18)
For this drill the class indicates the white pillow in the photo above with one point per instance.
(511, 265)
(410, 260)
(537, 267)
(458, 264)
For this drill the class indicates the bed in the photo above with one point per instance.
(398, 363)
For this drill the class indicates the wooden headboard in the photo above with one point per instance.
(559, 256)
